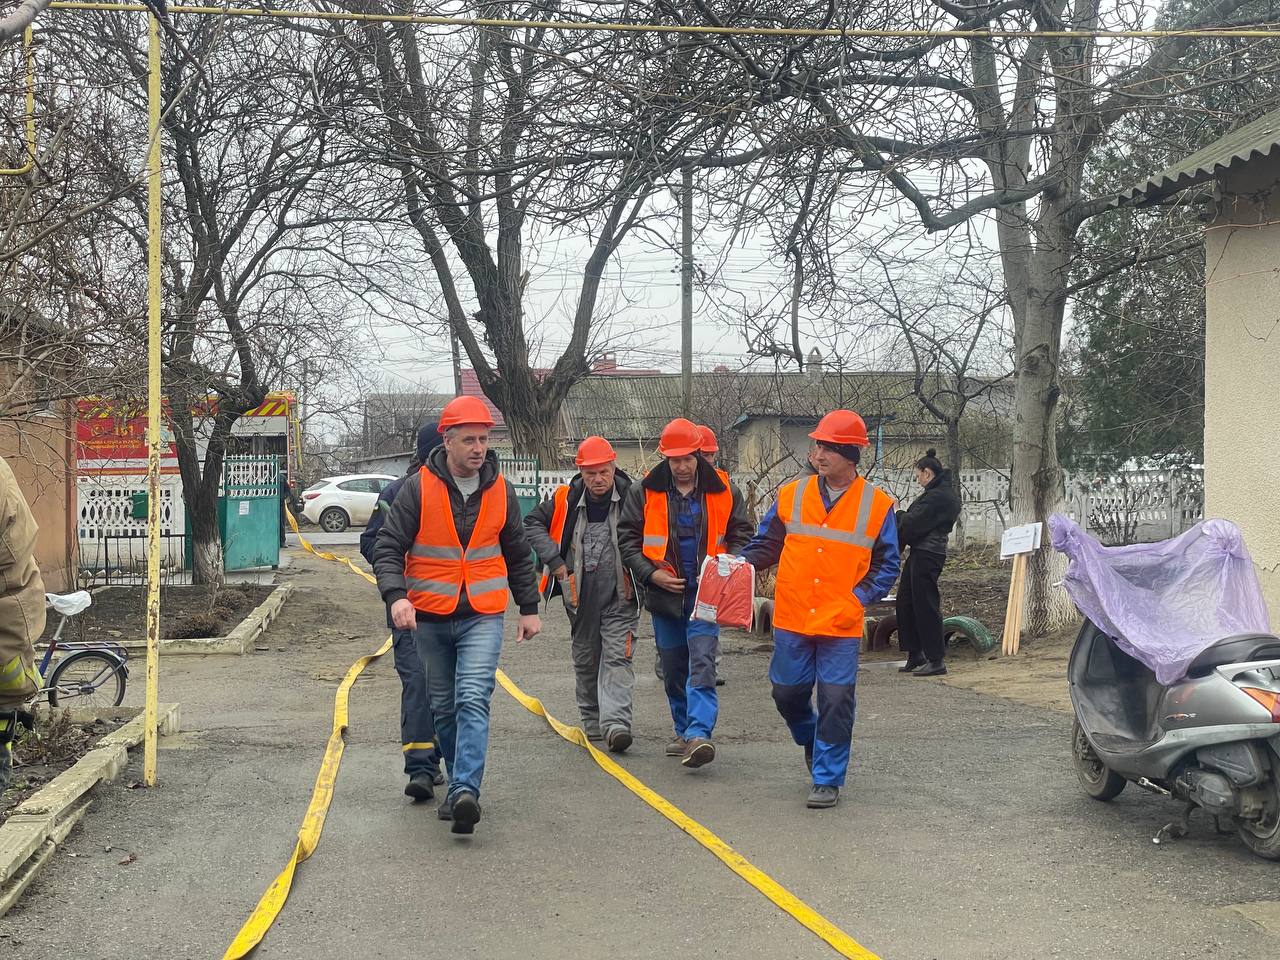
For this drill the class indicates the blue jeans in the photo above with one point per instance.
(417, 724)
(461, 658)
(831, 663)
(687, 649)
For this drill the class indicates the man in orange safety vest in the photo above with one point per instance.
(680, 513)
(835, 542)
(450, 555)
(575, 535)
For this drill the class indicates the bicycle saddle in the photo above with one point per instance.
(69, 604)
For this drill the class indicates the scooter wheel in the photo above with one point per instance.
(1262, 836)
(1098, 781)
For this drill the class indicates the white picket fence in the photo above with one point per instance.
(111, 540)
(1127, 507)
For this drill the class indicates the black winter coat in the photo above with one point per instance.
(631, 533)
(927, 523)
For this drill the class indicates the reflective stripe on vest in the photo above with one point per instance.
(437, 567)
(657, 523)
(558, 520)
(825, 555)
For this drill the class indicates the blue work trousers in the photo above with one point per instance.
(687, 649)
(417, 723)
(461, 659)
(831, 664)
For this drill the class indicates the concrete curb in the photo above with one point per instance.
(36, 827)
(239, 641)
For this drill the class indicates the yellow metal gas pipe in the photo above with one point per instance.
(29, 55)
(153, 401)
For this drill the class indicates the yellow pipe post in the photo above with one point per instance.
(29, 56)
(153, 404)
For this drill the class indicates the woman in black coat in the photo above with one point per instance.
(925, 527)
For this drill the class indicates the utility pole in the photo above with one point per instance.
(686, 292)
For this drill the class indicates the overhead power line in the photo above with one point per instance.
(1259, 32)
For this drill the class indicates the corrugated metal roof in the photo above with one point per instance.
(1254, 140)
(623, 408)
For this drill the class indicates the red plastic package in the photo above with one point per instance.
(726, 592)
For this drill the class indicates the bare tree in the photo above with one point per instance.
(994, 128)
(505, 139)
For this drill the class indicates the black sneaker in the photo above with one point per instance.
(466, 812)
(821, 797)
(421, 786)
(931, 670)
(913, 663)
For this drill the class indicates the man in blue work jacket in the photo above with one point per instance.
(835, 542)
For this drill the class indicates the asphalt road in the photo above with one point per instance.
(961, 835)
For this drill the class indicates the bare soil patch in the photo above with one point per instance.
(41, 754)
(119, 613)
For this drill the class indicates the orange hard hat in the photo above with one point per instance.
(462, 410)
(595, 452)
(842, 426)
(709, 444)
(680, 438)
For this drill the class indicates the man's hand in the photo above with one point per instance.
(403, 616)
(560, 572)
(666, 580)
(528, 627)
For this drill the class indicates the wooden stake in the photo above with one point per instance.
(1011, 640)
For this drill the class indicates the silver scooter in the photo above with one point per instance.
(1212, 739)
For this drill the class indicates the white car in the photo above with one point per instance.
(335, 503)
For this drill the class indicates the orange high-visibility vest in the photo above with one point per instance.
(558, 520)
(437, 567)
(824, 556)
(657, 523)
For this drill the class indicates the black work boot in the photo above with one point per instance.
(421, 786)
(932, 669)
(914, 662)
(822, 797)
(466, 812)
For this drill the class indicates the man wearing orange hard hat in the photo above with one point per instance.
(450, 555)
(835, 542)
(575, 535)
(680, 513)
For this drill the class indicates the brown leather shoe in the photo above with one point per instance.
(677, 747)
(699, 753)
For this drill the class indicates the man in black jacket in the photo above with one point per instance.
(417, 724)
(575, 535)
(679, 513)
(450, 554)
(925, 527)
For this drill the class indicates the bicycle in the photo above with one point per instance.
(92, 673)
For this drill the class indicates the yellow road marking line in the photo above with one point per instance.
(255, 928)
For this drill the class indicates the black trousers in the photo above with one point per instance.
(920, 606)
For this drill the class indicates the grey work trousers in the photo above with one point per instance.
(603, 638)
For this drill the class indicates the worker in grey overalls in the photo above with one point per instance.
(575, 535)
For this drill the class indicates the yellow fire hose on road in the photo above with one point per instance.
(268, 908)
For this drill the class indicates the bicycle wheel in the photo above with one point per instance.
(87, 678)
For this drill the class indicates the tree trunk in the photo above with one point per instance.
(955, 462)
(534, 430)
(200, 484)
(206, 542)
(1037, 488)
